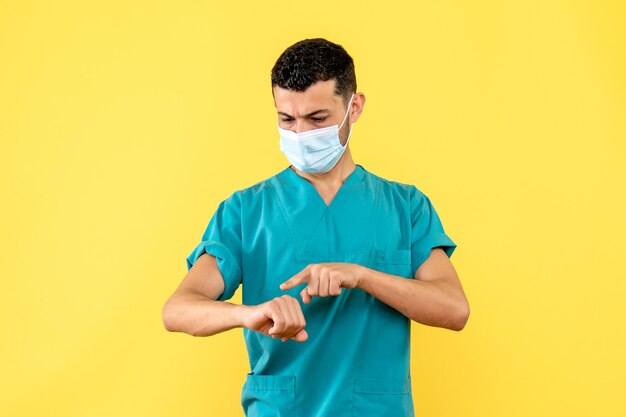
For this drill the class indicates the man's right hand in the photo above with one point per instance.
(279, 317)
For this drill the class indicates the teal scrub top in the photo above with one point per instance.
(356, 361)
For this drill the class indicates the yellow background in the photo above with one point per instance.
(123, 124)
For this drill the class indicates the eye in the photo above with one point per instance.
(318, 119)
(286, 120)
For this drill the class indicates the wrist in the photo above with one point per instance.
(363, 277)
(240, 312)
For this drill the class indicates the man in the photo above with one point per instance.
(334, 261)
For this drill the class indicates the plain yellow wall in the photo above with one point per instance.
(124, 123)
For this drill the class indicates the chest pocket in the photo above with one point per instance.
(269, 395)
(392, 261)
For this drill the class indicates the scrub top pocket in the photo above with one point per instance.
(269, 396)
(393, 261)
(382, 397)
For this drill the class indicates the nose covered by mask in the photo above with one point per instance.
(315, 151)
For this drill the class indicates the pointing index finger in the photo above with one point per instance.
(297, 279)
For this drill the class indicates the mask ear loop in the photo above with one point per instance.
(347, 112)
(344, 119)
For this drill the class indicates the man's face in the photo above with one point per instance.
(318, 106)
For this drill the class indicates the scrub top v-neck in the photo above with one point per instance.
(356, 361)
(321, 230)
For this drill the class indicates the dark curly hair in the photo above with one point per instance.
(311, 60)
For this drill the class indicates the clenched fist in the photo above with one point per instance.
(279, 317)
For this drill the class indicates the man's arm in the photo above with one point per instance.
(434, 297)
(193, 309)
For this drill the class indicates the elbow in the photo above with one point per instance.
(460, 317)
(168, 316)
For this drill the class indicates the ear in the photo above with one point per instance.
(358, 102)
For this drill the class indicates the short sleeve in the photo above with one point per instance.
(426, 230)
(222, 239)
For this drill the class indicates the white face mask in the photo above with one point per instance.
(314, 151)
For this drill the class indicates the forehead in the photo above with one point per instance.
(318, 95)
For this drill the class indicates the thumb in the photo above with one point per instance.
(301, 336)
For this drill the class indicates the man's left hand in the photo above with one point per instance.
(325, 279)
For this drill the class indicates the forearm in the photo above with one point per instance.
(433, 303)
(200, 316)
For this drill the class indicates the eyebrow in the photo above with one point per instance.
(306, 115)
